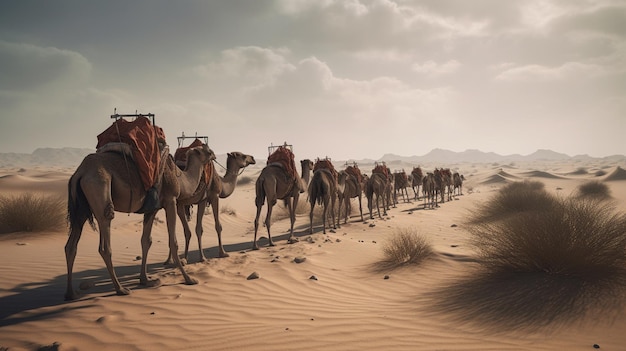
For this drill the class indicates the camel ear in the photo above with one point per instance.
(229, 154)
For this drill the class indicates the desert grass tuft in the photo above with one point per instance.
(228, 210)
(405, 247)
(30, 212)
(581, 238)
(594, 190)
(542, 268)
(512, 199)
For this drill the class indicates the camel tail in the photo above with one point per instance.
(260, 192)
(78, 209)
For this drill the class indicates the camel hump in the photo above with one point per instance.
(121, 148)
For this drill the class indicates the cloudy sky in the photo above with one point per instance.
(345, 79)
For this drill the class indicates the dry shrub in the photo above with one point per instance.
(542, 266)
(512, 199)
(595, 190)
(302, 209)
(32, 213)
(576, 237)
(405, 247)
(228, 210)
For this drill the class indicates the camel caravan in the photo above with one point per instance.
(132, 171)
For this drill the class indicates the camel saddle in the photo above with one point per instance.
(146, 142)
(327, 166)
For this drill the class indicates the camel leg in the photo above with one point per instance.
(215, 202)
(335, 219)
(311, 216)
(268, 219)
(104, 224)
(291, 206)
(199, 230)
(70, 255)
(182, 215)
(146, 243)
(255, 246)
(324, 210)
(170, 219)
(361, 208)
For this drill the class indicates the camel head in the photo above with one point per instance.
(239, 159)
(204, 153)
(305, 162)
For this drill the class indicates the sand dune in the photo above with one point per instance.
(617, 174)
(352, 304)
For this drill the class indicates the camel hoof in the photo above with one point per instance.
(150, 283)
(255, 247)
(191, 281)
(223, 255)
(123, 292)
(202, 259)
(72, 295)
(293, 240)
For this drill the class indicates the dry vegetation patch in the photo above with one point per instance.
(594, 190)
(405, 247)
(30, 212)
(544, 261)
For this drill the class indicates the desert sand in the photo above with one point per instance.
(351, 305)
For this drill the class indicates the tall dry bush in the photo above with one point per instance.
(405, 246)
(30, 212)
(514, 198)
(576, 237)
(594, 189)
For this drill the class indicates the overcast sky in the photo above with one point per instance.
(345, 79)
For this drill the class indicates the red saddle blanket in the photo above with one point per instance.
(144, 139)
(325, 164)
(284, 157)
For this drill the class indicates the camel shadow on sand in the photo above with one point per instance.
(41, 300)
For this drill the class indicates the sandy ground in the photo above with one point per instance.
(351, 305)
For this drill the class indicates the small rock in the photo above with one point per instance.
(313, 277)
(386, 277)
(338, 240)
(152, 312)
(299, 259)
(410, 212)
(86, 285)
(21, 244)
(454, 226)
(253, 275)
(454, 245)
(138, 258)
(374, 241)
(596, 346)
(372, 225)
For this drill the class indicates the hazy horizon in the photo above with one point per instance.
(350, 79)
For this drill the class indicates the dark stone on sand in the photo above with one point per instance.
(253, 275)
(386, 277)
(313, 277)
(299, 259)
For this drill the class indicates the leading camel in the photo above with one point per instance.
(106, 182)
(210, 193)
(274, 183)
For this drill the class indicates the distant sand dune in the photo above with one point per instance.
(618, 174)
(541, 174)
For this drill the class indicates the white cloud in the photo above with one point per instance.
(435, 69)
(545, 73)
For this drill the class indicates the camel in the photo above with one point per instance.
(448, 182)
(428, 187)
(376, 185)
(307, 167)
(349, 187)
(210, 193)
(416, 180)
(273, 184)
(323, 190)
(401, 182)
(441, 183)
(457, 180)
(106, 182)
